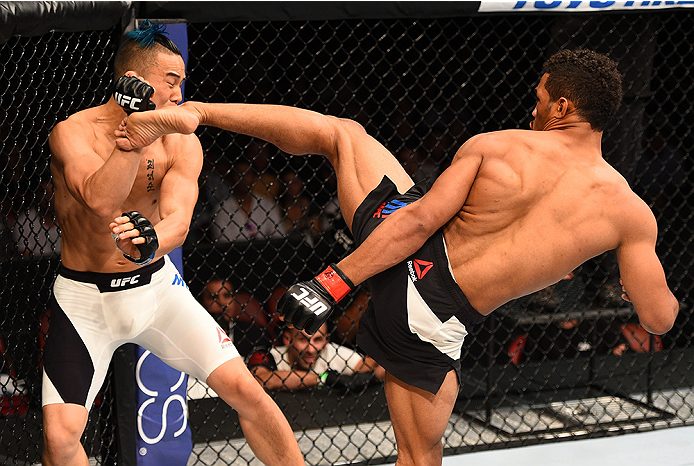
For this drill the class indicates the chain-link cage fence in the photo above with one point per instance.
(567, 362)
(45, 79)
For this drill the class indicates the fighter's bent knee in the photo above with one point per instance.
(60, 442)
(64, 434)
(234, 382)
(64, 423)
(352, 127)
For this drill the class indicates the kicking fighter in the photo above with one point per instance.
(108, 293)
(516, 211)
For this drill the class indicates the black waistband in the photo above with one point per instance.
(115, 281)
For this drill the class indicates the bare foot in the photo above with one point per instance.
(143, 128)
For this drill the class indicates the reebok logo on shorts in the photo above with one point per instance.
(418, 268)
(224, 339)
(388, 208)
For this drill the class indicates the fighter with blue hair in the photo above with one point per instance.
(121, 213)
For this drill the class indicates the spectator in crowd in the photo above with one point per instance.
(634, 338)
(36, 230)
(245, 215)
(574, 335)
(239, 314)
(574, 338)
(311, 360)
(301, 214)
(260, 155)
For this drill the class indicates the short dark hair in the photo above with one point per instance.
(588, 79)
(139, 47)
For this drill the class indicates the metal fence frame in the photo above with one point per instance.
(421, 79)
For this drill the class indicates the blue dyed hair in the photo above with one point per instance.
(147, 33)
(135, 51)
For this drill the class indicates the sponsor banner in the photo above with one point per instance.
(491, 6)
(163, 433)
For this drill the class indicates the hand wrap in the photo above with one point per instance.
(307, 305)
(133, 94)
(147, 249)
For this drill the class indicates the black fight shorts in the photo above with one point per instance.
(419, 318)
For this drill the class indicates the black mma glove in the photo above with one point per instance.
(133, 95)
(346, 383)
(146, 229)
(307, 305)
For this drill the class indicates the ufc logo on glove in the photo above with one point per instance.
(313, 303)
(133, 95)
(127, 101)
(307, 305)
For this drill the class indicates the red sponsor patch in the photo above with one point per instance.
(378, 213)
(422, 267)
(223, 337)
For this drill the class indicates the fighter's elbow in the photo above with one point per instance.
(424, 224)
(103, 209)
(182, 235)
(661, 322)
(658, 328)
(354, 128)
(99, 204)
(422, 231)
(178, 237)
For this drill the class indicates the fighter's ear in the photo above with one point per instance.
(562, 107)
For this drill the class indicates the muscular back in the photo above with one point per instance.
(541, 204)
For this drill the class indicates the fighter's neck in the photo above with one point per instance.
(577, 130)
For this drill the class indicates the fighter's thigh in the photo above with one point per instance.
(78, 347)
(360, 165)
(185, 336)
(420, 418)
(235, 384)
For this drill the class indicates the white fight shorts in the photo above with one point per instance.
(92, 314)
